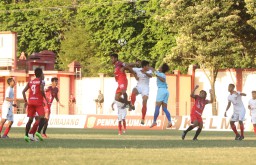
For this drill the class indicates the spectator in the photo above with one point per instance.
(22, 56)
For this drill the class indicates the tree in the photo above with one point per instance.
(207, 34)
(78, 46)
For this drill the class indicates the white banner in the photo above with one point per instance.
(56, 121)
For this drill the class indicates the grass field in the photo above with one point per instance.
(85, 146)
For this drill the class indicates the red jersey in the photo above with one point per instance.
(35, 96)
(199, 105)
(119, 74)
(51, 93)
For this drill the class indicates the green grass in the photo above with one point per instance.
(86, 146)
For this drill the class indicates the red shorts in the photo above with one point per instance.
(122, 85)
(195, 116)
(32, 109)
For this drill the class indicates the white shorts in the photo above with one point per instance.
(238, 116)
(143, 90)
(121, 114)
(7, 113)
(253, 117)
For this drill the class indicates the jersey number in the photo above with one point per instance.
(33, 88)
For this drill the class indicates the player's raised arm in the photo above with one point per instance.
(193, 92)
(228, 106)
(211, 96)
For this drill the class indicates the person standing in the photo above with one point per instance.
(7, 113)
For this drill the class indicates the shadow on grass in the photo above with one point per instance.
(120, 143)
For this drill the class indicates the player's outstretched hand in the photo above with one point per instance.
(197, 86)
(225, 114)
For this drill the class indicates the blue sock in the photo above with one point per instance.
(167, 113)
(156, 112)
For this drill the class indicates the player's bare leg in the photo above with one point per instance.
(40, 127)
(254, 128)
(233, 127)
(242, 130)
(2, 125)
(28, 125)
(119, 127)
(198, 130)
(192, 126)
(45, 124)
(8, 128)
(124, 124)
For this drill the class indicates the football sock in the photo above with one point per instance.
(242, 129)
(156, 112)
(254, 130)
(233, 127)
(34, 127)
(189, 128)
(133, 98)
(120, 126)
(7, 131)
(45, 126)
(28, 125)
(197, 133)
(144, 111)
(41, 124)
(167, 113)
(124, 124)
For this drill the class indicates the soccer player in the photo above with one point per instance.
(252, 108)
(162, 95)
(34, 104)
(196, 112)
(121, 79)
(143, 75)
(121, 115)
(7, 113)
(239, 110)
(51, 93)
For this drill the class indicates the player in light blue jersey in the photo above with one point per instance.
(7, 113)
(162, 95)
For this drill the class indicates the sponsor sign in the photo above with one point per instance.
(56, 121)
(132, 122)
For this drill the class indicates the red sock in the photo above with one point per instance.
(144, 111)
(1, 127)
(124, 123)
(34, 128)
(242, 129)
(255, 130)
(133, 98)
(7, 131)
(120, 126)
(233, 127)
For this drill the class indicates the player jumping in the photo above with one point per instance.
(143, 75)
(121, 79)
(162, 95)
(196, 112)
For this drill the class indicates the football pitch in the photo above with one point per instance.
(86, 146)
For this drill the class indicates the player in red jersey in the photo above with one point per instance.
(51, 93)
(196, 112)
(121, 79)
(34, 104)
